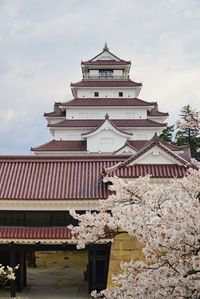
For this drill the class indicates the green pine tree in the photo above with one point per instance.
(188, 136)
(167, 134)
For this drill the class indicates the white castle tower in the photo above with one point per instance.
(105, 115)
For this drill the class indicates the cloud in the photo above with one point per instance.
(6, 115)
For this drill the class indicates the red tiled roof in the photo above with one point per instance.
(58, 145)
(62, 145)
(154, 112)
(151, 143)
(105, 83)
(105, 62)
(138, 144)
(106, 102)
(59, 178)
(125, 144)
(57, 112)
(186, 150)
(156, 171)
(21, 232)
(81, 146)
(117, 122)
(174, 147)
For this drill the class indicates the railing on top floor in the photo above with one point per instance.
(88, 76)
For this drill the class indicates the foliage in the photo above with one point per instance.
(167, 134)
(188, 135)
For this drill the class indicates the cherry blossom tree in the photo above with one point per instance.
(166, 219)
(192, 121)
(7, 273)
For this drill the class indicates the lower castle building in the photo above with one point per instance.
(105, 129)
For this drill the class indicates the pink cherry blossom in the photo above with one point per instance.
(164, 217)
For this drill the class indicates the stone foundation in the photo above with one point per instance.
(124, 248)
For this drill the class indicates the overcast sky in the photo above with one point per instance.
(43, 41)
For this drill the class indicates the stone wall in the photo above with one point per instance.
(124, 248)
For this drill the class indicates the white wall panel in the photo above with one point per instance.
(68, 134)
(99, 113)
(106, 93)
(105, 141)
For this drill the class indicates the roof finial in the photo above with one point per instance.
(105, 47)
(107, 116)
(155, 137)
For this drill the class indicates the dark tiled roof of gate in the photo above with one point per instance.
(21, 232)
(60, 178)
(156, 171)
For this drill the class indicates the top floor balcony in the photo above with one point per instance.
(105, 76)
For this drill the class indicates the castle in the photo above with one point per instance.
(105, 129)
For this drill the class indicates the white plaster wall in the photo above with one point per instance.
(143, 134)
(55, 120)
(126, 150)
(74, 134)
(105, 141)
(99, 113)
(157, 119)
(155, 159)
(106, 93)
(54, 205)
(93, 72)
(117, 72)
(155, 156)
(105, 56)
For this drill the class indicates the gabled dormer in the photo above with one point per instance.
(106, 138)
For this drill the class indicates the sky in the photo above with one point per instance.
(42, 43)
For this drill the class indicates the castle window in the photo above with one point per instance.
(107, 73)
(120, 94)
(96, 94)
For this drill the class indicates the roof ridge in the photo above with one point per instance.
(46, 143)
(176, 146)
(107, 118)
